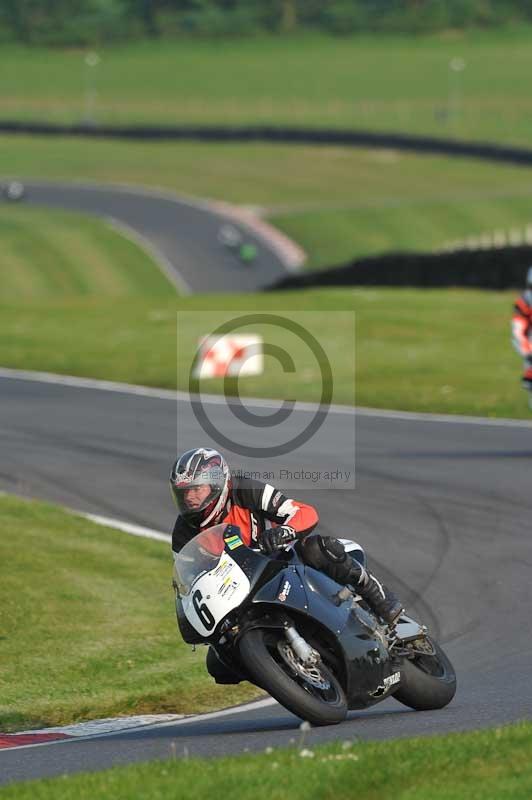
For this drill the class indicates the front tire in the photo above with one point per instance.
(260, 653)
(428, 681)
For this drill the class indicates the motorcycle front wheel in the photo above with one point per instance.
(311, 693)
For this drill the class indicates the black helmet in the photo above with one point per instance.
(202, 467)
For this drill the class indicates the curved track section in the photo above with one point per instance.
(443, 507)
(181, 234)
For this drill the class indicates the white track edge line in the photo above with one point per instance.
(125, 527)
(224, 712)
(179, 396)
(165, 266)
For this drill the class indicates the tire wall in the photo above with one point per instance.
(278, 134)
(484, 269)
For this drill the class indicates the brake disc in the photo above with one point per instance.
(312, 674)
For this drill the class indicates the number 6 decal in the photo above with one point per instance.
(202, 610)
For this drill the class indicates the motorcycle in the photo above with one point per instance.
(14, 191)
(310, 643)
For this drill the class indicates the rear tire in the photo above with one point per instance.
(428, 682)
(259, 653)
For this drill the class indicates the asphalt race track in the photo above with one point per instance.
(444, 509)
(182, 234)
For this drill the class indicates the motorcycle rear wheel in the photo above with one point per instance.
(428, 682)
(259, 650)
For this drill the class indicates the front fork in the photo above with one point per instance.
(301, 648)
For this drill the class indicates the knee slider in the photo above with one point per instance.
(332, 549)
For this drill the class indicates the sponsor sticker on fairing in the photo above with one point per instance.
(228, 587)
(224, 568)
(387, 684)
(233, 542)
(285, 591)
(391, 680)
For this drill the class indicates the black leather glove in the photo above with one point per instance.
(276, 538)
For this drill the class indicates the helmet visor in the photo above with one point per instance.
(193, 496)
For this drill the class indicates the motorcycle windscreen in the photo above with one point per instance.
(209, 581)
(199, 555)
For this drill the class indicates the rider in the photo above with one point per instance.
(206, 494)
(522, 330)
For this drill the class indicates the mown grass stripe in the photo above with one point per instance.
(91, 259)
(31, 239)
(47, 253)
(18, 277)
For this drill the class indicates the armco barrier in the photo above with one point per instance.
(281, 135)
(485, 269)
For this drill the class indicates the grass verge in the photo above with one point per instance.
(53, 254)
(374, 82)
(338, 203)
(422, 350)
(87, 627)
(485, 765)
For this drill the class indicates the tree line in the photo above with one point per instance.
(78, 22)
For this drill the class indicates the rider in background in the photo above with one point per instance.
(206, 494)
(522, 330)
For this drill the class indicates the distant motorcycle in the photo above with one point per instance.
(233, 239)
(14, 191)
(312, 644)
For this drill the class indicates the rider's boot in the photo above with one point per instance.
(380, 599)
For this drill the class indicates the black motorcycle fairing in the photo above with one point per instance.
(365, 654)
(284, 588)
(258, 568)
(364, 657)
(224, 668)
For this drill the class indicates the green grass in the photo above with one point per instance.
(423, 350)
(53, 254)
(87, 627)
(486, 765)
(337, 203)
(373, 82)
(420, 350)
(337, 237)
